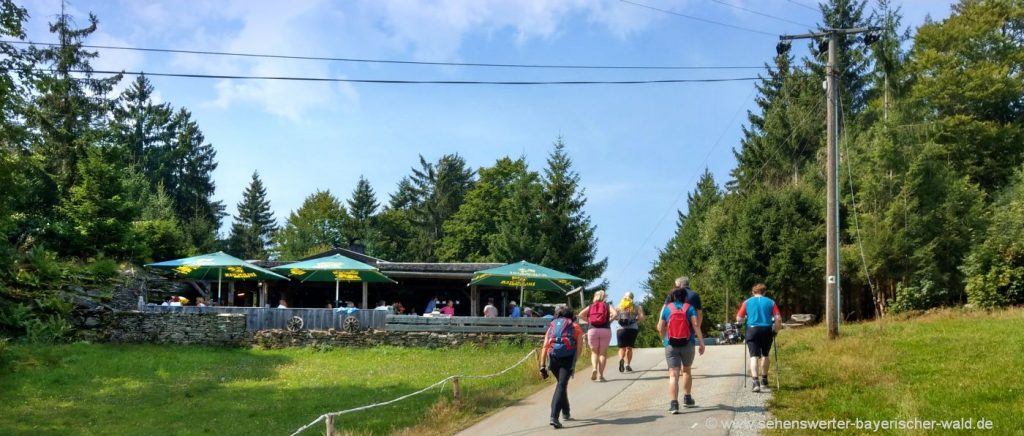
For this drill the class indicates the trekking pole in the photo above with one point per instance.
(744, 364)
(778, 382)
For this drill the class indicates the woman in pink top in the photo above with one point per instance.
(449, 309)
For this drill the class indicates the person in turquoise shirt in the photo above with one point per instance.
(763, 321)
(680, 356)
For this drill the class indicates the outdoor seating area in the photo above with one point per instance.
(340, 288)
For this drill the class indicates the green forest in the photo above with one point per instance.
(931, 175)
(94, 180)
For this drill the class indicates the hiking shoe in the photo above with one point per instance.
(554, 423)
(566, 416)
(629, 368)
(593, 375)
(688, 402)
(673, 407)
(622, 366)
(602, 379)
(757, 386)
(764, 382)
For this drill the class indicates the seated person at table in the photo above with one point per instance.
(449, 309)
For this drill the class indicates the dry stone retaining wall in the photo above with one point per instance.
(229, 330)
(373, 338)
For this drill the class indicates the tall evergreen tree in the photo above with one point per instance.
(71, 105)
(254, 224)
(363, 207)
(194, 161)
(783, 137)
(851, 60)
(567, 233)
(143, 128)
(438, 190)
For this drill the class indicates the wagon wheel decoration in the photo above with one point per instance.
(294, 324)
(351, 324)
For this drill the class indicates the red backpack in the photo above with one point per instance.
(598, 315)
(678, 325)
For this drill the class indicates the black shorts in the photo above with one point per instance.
(626, 337)
(759, 341)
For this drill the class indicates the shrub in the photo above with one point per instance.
(920, 296)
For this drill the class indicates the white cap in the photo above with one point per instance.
(513, 303)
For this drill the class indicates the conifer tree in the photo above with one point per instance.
(254, 224)
(567, 235)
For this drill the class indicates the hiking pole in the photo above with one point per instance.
(745, 364)
(778, 382)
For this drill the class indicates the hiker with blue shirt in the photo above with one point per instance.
(561, 345)
(679, 330)
(763, 321)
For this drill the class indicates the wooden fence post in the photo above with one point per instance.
(456, 390)
(330, 425)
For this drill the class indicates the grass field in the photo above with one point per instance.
(150, 389)
(949, 365)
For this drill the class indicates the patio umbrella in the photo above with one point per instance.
(224, 265)
(336, 268)
(525, 275)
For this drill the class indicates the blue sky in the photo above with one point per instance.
(638, 149)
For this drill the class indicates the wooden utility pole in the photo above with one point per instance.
(833, 303)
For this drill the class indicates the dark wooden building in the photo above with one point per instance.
(418, 282)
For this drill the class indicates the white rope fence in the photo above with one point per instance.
(455, 380)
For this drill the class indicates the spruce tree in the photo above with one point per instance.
(363, 208)
(70, 105)
(143, 128)
(567, 234)
(254, 224)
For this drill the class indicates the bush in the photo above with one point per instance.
(920, 296)
(102, 269)
(995, 268)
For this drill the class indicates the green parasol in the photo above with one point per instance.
(336, 268)
(525, 275)
(224, 265)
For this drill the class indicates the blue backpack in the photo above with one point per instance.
(563, 339)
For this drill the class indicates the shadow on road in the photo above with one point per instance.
(615, 421)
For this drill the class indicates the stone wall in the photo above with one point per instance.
(229, 330)
(178, 328)
(373, 338)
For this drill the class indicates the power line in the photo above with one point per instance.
(803, 5)
(419, 82)
(762, 14)
(703, 20)
(397, 61)
(684, 192)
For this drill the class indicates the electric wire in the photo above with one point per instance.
(695, 18)
(803, 5)
(762, 14)
(417, 82)
(396, 61)
(856, 212)
(682, 193)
